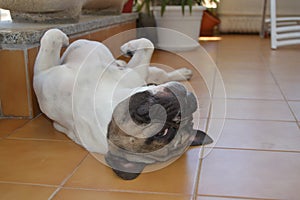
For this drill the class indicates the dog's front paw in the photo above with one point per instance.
(186, 73)
(129, 48)
(181, 74)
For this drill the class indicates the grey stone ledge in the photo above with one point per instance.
(24, 35)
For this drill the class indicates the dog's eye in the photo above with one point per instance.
(130, 53)
(149, 84)
(177, 118)
(164, 137)
(163, 133)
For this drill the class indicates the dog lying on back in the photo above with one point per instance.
(106, 106)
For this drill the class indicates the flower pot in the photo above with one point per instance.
(43, 11)
(128, 7)
(181, 32)
(103, 7)
(209, 21)
(146, 27)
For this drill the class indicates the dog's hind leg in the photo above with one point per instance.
(182, 74)
(141, 51)
(49, 54)
(60, 128)
(159, 76)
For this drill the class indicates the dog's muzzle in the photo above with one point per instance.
(151, 126)
(156, 122)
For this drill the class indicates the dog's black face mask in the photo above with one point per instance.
(154, 121)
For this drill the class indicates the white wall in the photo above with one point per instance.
(4, 15)
(245, 15)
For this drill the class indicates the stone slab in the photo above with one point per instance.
(22, 35)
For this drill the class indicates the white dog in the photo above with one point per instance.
(105, 105)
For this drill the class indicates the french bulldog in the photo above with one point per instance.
(133, 113)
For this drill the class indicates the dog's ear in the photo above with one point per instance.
(201, 138)
(123, 168)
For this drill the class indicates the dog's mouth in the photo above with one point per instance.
(123, 142)
(169, 131)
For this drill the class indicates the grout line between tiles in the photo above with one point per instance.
(126, 191)
(54, 193)
(293, 100)
(249, 149)
(15, 117)
(199, 171)
(294, 114)
(28, 88)
(38, 139)
(67, 178)
(196, 185)
(28, 184)
(252, 119)
(148, 192)
(22, 125)
(281, 91)
(235, 197)
(254, 99)
(1, 112)
(197, 179)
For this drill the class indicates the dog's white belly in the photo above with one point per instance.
(92, 112)
(51, 99)
(80, 96)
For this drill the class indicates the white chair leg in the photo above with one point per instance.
(273, 24)
(263, 23)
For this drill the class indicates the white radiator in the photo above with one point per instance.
(240, 24)
(245, 16)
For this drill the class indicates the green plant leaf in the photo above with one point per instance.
(164, 4)
(148, 2)
(182, 7)
(190, 4)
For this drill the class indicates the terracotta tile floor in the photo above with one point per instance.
(257, 155)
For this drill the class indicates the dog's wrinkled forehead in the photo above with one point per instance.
(169, 93)
(147, 110)
(160, 101)
(167, 100)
